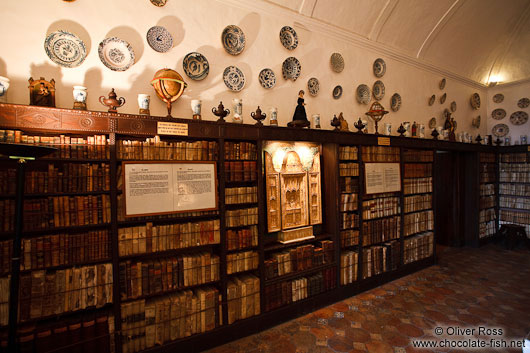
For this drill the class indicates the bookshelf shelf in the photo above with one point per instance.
(278, 246)
(165, 293)
(44, 320)
(168, 253)
(62, 267)
(167, 219)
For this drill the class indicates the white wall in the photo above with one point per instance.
(197, 26)
(512, 93)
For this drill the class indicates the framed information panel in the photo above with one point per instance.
(382, 177)
(169, 187)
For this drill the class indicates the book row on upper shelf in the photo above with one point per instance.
(417, 186)
(514, 158)
(417, 203)
(380, 207)
(240, 150)
(241, 195)
(418, 222)
(155, 149)
(381, 230)
(417, 170)
(514, 189)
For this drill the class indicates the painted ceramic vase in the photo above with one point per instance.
(143, 103)
(388, 129)
(196, 105)
(80, 95)
(273, 117)
(238, 110)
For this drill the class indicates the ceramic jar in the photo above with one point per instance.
(4, 86)
(238, 110)
(273, 117)
(387, 129)
(316, 121)
(80, 95)
(143, 103)
(196, 105)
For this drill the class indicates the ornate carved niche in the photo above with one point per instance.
(293, 181)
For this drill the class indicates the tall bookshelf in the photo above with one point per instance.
(488, 195)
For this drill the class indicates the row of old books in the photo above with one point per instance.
(86, 334)
(487, 229)
(242, 261)
(241, 171)
(515, 177)
(7, 215)
(66, 211)
(487, 215)
(487, 202)
(242, 217)
(299, 259)
(65, 249)
(515, 202)
(514, 189)
(417, 170)
(243, 297)
(417, 186)
(418, 247)
(380, 258)
(6, 250)
(487, 172)
(348, 152)
(153, 322)
(348, 169)
(380, 207)
(380, 230)
(349, 262)
(514, 158)
(161, 275)
(348, 202)
(242, 238)
(487, 189)
(151, 237)
(4, 300)
(417, 203)
(240, 150)
(87, 147)
(45, 293)
(486, 157)
(349, 220)
(155, 149)
(241, 195)
(8, 181)
(418, 222)
(418, 156)
(349, 238)
(349, 184)
(520, 217)
(380, 154)
(286, 292)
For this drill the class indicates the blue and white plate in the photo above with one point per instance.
(500, 130)
(313, 86)
(498, 114)
(288, 37)
(379, 68)
(475, 101)
(395, 102)
(267, 78)
(196, 66)
(523, 103)
(159, 39)
(337, 62)
(234, 78)
(65, 49)
(233, 39)
(363, 94)
(116, 54)
(337, 92)
(291, 68)
(378, 90)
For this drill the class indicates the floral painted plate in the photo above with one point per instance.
(395, 102)
(288, 37)
(475, 101)
(498, 98)
(442, 98)
(313, 86)
(363, 94)
(291, 68)
(337, 62)
(233, 78)
(196, 66)
(379, 68)
(233, 39)
(116, 54)
(432, 99)
(378, 90)
(267, 78)
(500, 130)
(442, 83)
(65, 49)
(159, 39)
(498, 114)
(519, 118)
(523, 103)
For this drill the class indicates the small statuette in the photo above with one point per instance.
(196, 105)
(335, 122)
(258, 116)
(221, 112)
(143, 103)
(401, 130)
(434, 134)
(359, 125)
(112, 102)
(478, 139)
(80, 95)
(343, 123)
(273, 118)
(42, 92)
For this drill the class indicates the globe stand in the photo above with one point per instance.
(376, 112)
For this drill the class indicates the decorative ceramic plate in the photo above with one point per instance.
(519, 118)
(442, 98)
(234, 78)
(233, 39)
(159, 39)
(395, 102)
(498, 98)
(500, 130)
(267, 78)
(313, 86)
(475, 101)
(442, 83)
(432, 99)
(116, 54)
(158, 3)
(337, 92)
(337, 62)
(523, 103)
(498, 114)
(288, 37)
(363, 94)
(453, 106)
(291, 68)
(196, 66)
(65, 49)
(432, 123)
(476, 122)
(378, 90)
(379, 67)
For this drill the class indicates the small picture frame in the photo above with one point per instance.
(42, 92)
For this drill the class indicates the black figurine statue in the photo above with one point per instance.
(300, 116)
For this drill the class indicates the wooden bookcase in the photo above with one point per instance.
(149, 300)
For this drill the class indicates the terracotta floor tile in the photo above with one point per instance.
(378, 347)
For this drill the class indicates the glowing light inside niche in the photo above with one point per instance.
(278, 150)
(495, 78)
(277, 159)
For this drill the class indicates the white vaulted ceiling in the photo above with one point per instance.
(480, 40)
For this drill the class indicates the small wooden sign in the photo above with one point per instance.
(383, 141)
(177, 129)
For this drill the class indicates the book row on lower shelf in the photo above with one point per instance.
(151, 238)
(45, 293)
(242, 238)
(418, 247)
(348, 169)
(348, 202)
(380, 207)
(514, 173)
(349, 262)
(241, 217)
(514, 202)
(155, 149)
(417, 186)
(380, 258)
(167, 274)
(514, 189)
(417, 203)
(241, 195)
(381, 230)
(6, 250)
(418, 222)
(240, 171)
(518, 217)
(242, 261)
(4, 300)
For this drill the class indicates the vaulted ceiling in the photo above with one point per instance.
(481, 40)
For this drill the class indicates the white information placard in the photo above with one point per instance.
(382, 177)
(170, 187)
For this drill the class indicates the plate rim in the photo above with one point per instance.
(104, 42)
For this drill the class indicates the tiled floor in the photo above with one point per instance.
(469, 288)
